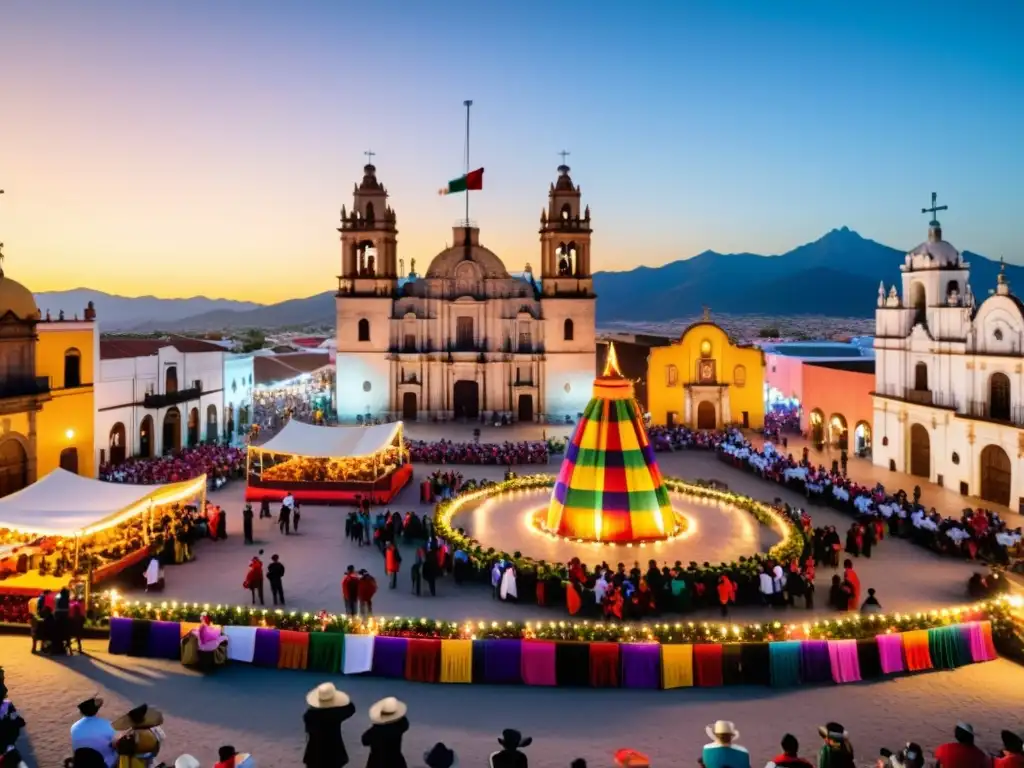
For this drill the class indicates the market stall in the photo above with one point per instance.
(329, 465)
(65, 527)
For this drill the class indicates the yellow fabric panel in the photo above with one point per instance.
(639, 480)
(627, 436)
(456, 661)
(586, 479)
(676, 666)
(188, 626)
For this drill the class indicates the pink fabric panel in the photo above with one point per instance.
(845, 664)
(890, 650)
(538, 662)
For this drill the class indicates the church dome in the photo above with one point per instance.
(446, 262)
(16, 298)
(934, 252)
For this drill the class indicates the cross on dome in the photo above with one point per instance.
(934, 210)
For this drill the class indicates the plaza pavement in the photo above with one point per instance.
(260, 711)
(906, 577)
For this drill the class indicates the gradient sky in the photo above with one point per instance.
(206, 147)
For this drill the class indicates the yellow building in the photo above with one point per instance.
(47, 370)
(706, 381)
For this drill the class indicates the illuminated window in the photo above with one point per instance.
(739, 376)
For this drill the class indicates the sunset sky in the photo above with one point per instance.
(190, 148)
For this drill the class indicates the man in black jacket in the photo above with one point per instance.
(275, 572)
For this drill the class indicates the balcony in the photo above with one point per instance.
(153, 400)
(919, 396)
(925, 397)
(24, 386)
(1001, 413)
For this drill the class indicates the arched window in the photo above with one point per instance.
(369, 213)
(364, 329)
(566, 212)
(952, 287)
(671, 375)
(921, 377)
(567, 329)
(171, 380)
(69, 460)
(72, 368)
(918, 301)
(739, 376)
(999, 397)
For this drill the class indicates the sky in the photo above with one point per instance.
(187, 148)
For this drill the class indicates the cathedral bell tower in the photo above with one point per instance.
(367, 287)
(567, 300)
(565, 240)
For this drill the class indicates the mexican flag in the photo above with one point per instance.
(472, 180)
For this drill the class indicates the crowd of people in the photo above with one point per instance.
(308, 400)
(501, 454)
(219, 463)
(976, 533)
(136, 739)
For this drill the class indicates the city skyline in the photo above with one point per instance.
(209, 151)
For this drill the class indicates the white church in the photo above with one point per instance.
(465, 340)
(949, 376)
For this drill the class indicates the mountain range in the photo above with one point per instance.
(837, 275)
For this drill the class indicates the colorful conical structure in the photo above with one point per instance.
(609, 488)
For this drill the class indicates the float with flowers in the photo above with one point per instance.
(563, 653)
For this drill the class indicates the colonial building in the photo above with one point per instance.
(239, 383)
(46, 389)
(949, 376)
(154, 396)
(706, 381)
(464, 339)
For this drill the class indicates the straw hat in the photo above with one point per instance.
(722, 728)
(187, 761)
(326, 696)
(833, 731)
(143, 716)
(387, 711)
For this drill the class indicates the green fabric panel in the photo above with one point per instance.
(634, 460)
(579, 499)
(942, 648)
(326, 651)
(589, 457)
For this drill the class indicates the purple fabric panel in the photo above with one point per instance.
(890, 649)
(389, 656)
(844, 660)
(267, 649)
(538, 663)
(120, 635)
(503, 661)
(815, 664)
(641, 665)
(165, 640)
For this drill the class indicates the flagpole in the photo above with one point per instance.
(468, 103)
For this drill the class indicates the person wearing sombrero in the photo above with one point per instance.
(439, 756)
(139, 744)
(93, 732)
(328, 709)
(510, 756)
(384, 736)
(837, 751)
(723, 751)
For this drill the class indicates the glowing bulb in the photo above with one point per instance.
(70, 434)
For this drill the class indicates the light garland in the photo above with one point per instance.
(855, 626)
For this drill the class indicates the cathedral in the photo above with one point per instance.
(465, 340)
(948, 376)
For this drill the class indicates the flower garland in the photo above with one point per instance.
(852, 627)
(785, 551)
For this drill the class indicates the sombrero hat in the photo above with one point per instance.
(143, 716)
(326, 696)
(387, 711)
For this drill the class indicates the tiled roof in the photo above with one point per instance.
(121, 348)
(271, 369)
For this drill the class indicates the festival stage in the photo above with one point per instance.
(329, 465)
(332, 494)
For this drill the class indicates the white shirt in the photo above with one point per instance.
(600, 589)
(95, 733)
(288, 501)
(767, 584)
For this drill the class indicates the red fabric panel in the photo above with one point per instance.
(604, 665)
(707, 664)
(423, 660)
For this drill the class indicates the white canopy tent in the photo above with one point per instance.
(66, 504)
(311, 441)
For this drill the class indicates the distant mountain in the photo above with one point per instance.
(121, 313)
(313, 310)
(836, 275)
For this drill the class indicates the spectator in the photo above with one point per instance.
(871, 605)
(510, 754)
(275, 572)
(837, 751)
(367, 588)
(440, 756)
(1013, 751)
(384, 737)
(790, 757)
(350, 590)
(723, 752)
(328, 709)
(961, 753)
